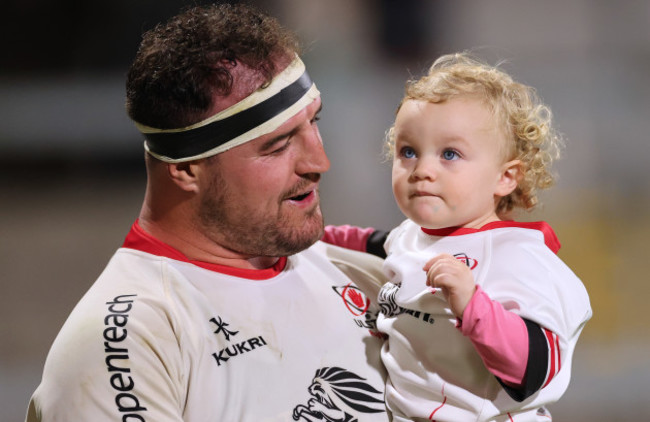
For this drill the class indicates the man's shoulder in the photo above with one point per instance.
(363, 269)
(132, 287)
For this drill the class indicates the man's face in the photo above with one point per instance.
(261, 198)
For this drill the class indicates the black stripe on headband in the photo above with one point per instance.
(178, 145)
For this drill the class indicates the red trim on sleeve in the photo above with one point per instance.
(550, 239)
(559, 355)
(142, 241)
(553, 355)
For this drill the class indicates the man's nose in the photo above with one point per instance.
(313, 159)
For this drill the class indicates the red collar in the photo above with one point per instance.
(140, 240)
(550, 238)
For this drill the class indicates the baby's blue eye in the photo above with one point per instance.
(407, 152)
(450, 154)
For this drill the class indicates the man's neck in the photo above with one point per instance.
(197, 247)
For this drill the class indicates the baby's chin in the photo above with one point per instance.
(433, 220)
(430, 217)
(435, 224)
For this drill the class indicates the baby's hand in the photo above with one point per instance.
(454, 278)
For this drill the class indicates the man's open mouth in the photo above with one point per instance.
(300, 197)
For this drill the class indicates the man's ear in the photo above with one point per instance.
(511, 174)
(184, 175)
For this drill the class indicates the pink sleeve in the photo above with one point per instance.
(499, 336)
(346, 236)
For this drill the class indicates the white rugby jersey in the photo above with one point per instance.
(434, 372)
(160, 338)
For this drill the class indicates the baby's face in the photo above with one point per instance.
(448, 168)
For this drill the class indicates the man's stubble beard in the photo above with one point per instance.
(255, 234)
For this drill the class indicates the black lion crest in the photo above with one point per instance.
(338, 395)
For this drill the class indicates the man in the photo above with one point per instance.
(217, 307)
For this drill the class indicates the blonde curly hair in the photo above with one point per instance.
(520, 115)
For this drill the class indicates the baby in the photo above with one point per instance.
(480, 314)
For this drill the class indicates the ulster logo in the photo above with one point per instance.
(357, 303)
(339, 395)
(470, 262)
(353, 298)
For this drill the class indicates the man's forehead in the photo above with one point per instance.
(291, 124)
(245, 81)
(260, 113)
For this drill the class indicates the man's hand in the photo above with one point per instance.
(454, 278)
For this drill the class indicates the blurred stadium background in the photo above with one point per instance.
(71, 172)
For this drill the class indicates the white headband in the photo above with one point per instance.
(260, 113)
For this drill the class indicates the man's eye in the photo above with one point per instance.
(450, 154)
(282, 148)
(315, 119)
(407, 152)
(278, 146)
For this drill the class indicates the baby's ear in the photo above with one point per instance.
(511, 174)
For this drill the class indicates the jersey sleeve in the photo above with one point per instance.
(116, 358)
(521, 354)
(359, 239)
(541, 364)
(533, 283)
(364, 269)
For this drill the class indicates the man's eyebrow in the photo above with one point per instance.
(269, 144)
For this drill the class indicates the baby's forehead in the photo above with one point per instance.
(454, 120)
(460, 113)
(459, 105)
